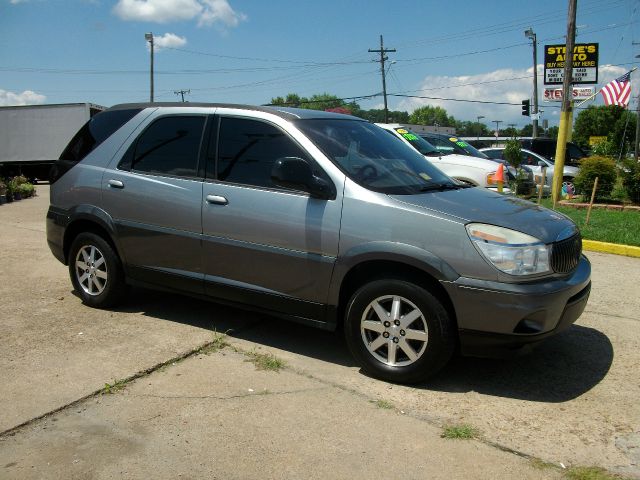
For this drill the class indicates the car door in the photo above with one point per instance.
(154, 197)
(263, 244)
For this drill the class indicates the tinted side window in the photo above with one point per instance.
(493, 153)
(574, 151)
(247, 150)
(96, 131)
(170, 146)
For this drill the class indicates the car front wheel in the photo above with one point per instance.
(398, 331)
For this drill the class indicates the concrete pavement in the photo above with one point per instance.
(573, 401)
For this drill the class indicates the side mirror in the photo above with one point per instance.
(295, 173)
(541, 164)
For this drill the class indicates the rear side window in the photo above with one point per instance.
(170, 146)
(96, 131)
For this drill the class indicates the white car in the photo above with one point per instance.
(536, 162)
(472, 170)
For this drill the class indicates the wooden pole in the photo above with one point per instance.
(543, 178)
(593, 195)
(565, 113)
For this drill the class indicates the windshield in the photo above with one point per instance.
(419, 143)
(450, 145)
(374, 159)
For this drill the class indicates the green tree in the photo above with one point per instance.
(613, 122)
(429, 115)
(552, 132)
(291, 100)
(468, 128)
(527, 130)
(510, 132)
(377, 116)
(321, 101)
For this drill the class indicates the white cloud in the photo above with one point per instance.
(219, 11)
(504, 85)
(208, 12)
(27, 97)
(15, 2)
(168, 40)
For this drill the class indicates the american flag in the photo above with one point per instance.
(618, 91)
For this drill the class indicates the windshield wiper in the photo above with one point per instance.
(441, 187)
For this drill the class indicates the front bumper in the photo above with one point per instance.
(496, 317)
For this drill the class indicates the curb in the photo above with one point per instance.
(614, 248)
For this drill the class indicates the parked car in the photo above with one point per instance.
(536, 162)
(317, 217)
(474, 171)
(547, 148)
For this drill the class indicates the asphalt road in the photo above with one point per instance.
(573, 401)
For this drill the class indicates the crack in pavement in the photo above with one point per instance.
(261, 393)
(597, 312)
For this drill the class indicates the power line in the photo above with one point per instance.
(270, 60)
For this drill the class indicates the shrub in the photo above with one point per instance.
(513, 154)
(26, 189)
(3, 187)
(631, 178)
(591, 167)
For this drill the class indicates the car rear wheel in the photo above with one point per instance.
(96, 271)
(398, 331)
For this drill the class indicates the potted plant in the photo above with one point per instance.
(513, 155)
(16, 182)
(3, 192)
(26, 190)
(9, 193)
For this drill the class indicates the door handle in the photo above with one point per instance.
(217, 200)
(116, 184)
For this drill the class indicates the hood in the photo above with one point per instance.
(483, 206)
(467, 161)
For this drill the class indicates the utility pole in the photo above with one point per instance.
(497, 122)
(479, 117)
(382, 51)
(531, 35)
(182, 92)
(149, 38)
(566, 111)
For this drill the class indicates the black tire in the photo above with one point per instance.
(434, 353)
(102, 283)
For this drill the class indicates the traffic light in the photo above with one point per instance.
(526, 107)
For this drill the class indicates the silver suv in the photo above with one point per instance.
(319, 217)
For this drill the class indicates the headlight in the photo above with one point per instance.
(512, 252)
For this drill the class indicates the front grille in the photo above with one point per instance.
(565, 254)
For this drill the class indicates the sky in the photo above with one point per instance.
(459, 53)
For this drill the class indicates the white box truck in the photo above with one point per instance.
(32, 137)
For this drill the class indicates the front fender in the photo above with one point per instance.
(399, 253)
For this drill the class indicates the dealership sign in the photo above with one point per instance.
(577, 93)
(585, 63)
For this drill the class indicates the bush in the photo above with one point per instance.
(630, 174)
(26, 189)
(3, 187)
(591, 167)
